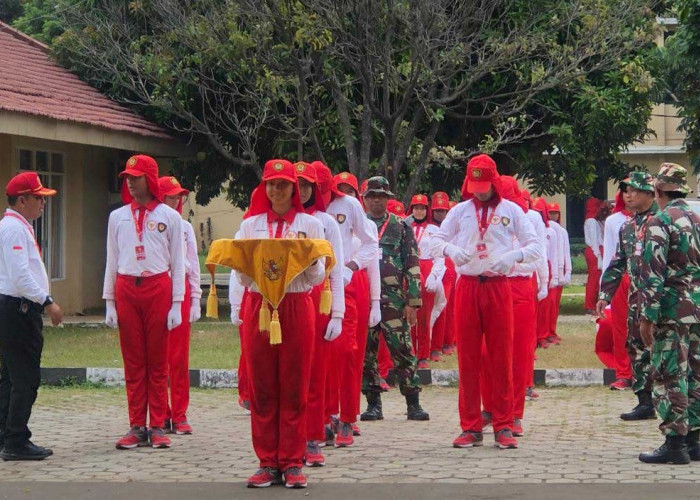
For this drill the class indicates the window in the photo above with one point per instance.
(50, 227)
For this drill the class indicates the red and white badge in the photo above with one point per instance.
(140, 252)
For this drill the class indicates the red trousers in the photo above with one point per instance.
(604, 348)
(384, 358)
(142, 308)
(420, 334)
(179, 364)
(438, 340)
(619, 308)
(554, 310)
(243, 386)
(534, 284)
(316, 410)
(593, 280)
(350, 393)
(450, 326)
(524, 340)
(279, 379)
(486, 315)
(544, 311)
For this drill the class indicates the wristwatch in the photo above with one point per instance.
(48, 301)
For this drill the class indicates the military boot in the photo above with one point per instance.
(374, 407)
(413, 408)
(673, 451)
(693, 443)
(643, 411)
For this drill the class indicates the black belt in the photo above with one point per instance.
(21, 304)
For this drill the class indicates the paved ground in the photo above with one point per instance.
(572, 436)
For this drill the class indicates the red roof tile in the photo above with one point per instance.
(31, 82)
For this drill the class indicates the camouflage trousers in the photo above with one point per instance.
(675, 376)
(640, 357)
(397, 335)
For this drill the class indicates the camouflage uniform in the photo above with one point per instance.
(671, 263)
(400, 275)
(627, 259)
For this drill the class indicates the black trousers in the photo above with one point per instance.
(21, 342)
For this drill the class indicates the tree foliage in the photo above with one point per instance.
(404, 88)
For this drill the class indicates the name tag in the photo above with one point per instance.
(140, 252)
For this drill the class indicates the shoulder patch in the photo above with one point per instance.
(162, 226)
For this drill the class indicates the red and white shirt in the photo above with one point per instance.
(153, 246)
(351, 220)
(22, 271)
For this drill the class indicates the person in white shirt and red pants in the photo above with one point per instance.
(479, 235)
(24, 293)
(144, 288)
(179, 339)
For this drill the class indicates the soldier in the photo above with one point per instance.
(400, 296)
(629, 259)
(669, 302)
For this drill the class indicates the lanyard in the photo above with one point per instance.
(381, 231)
(137, 226)
(283, 233)
(30, 228)
(418, 232)
(639, 233)
(483, 228)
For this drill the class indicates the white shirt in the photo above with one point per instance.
(563, 253)
(22, 272)
(373, 274)
(539, 267)
(351, 220)
(192, 261)
(256, 227)
(552, 247)
(161, 248)
(611, 237)
(332, 234)
(593, 235)
(424, 235)
(461, 228)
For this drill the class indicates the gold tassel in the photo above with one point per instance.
(264, 317)
(326, 298)
(212, 299)
(275, 329)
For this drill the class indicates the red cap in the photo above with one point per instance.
(137, 166)
(511, 191)
(419, 199)
(325, 182)
(308, 171)
(349, 179)
(169, 186)
(274, 169)
(481, 173)
(553, 207)
(540, 205)
(27, 183)
(395, 207)
(363, 187)
(439, 201)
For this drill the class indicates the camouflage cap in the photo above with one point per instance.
(672, 177)
(377, 184)
(642, 181)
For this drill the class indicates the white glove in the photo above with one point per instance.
(111, 319)
(459, 256)
(316, 272)
(567, 280)
(600, 263)
(347, 275)
(431, 283)
(542, 292)
(334, 329)
(195, 310)
(236, 316)
(506, 262)
(175, 315)
(554, 283)
(375, 314)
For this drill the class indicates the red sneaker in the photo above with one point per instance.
(264, 477)
(293, 478)
(159, 439)
(543, 344)
(621, 384)
(435, 356)
(531, 395)
(423, 364)
(486, 419)
(554, 340)
(313, 456)
(137, 436)
(504, 439)
(468, 439)
(356, 430)
(245, 404)
(182, 428)
(344, 437)
(517, 428)
(383, 385)
(448, 350)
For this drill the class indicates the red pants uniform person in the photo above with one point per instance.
(143, 336)
(420, 334)
(279, 377)
(619, 309)
(592, 281)
(179, 364)
(316, 410)
(486, 316)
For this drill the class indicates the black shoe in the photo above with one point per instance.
(48, 451)
(28, 451)
(168, 427)
(643, 411)
(673, 451)
(374, 408)
(413, 408)
(693, 443)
